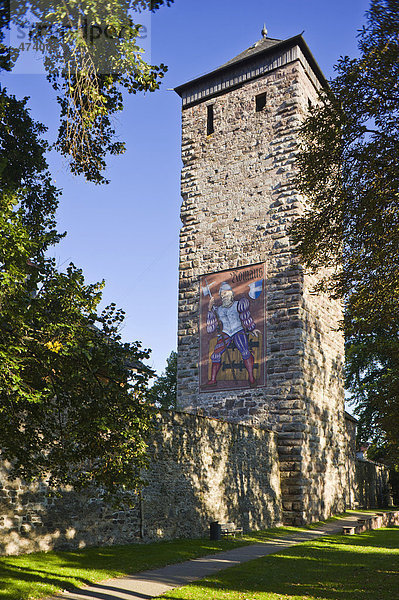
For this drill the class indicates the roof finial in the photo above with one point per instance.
(264, 31)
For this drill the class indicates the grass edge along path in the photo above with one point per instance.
(42, 574)
(357, 567)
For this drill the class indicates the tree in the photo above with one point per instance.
(372, 365)
(72, 395)
(348, 170)
(163, 392)
(91, 56)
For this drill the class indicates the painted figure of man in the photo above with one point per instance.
(233, 320)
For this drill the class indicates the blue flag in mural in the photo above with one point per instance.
(255, 289)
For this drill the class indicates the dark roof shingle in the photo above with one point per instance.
(259, 46)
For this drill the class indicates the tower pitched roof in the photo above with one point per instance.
(260, 56)
(256, 48)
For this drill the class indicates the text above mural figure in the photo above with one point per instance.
(232, 329)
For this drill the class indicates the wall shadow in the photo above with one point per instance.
(206, 469)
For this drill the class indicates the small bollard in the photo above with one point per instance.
(215, 531)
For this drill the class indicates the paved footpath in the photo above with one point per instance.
(150, 584)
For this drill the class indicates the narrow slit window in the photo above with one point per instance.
(260, 102)
(209, 121)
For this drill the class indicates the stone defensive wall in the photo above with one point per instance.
(201, 470)
(373, 484)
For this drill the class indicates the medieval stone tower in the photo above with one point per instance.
(255, 344)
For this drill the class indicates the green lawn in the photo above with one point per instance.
(38, 575)
(45, 573)
(41, 574)
(359, 567)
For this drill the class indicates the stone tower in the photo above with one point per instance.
(255, 344)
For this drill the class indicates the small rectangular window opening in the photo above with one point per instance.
(209, 122)
(260, 102)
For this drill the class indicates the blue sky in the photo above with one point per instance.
(127, 232)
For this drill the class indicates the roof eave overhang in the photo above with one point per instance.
(296, 40)
(350, 417)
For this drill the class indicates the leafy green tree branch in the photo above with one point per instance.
(89, 74)
(348, 171)
(164, 390)
(73, 396)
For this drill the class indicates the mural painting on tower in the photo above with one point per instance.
(232, 329)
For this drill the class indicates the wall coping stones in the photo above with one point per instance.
(386, 519)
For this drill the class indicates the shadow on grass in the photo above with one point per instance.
(108, 592)
(362, 567)
(14, 578)
(97, 590)
(40, 574)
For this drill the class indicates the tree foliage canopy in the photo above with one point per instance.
(163, 392)
(349, 171)
(73, 398)
(72, 395)
(88, 70)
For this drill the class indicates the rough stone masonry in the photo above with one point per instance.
(200, 470)
(239, 200)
